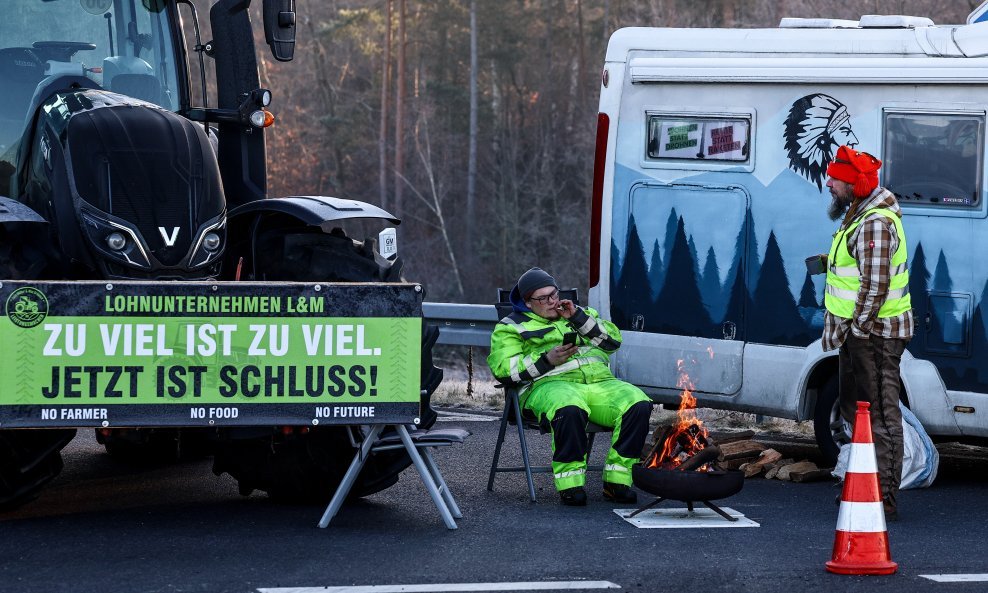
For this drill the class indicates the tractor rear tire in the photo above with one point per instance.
(29, 459)
(306, 466)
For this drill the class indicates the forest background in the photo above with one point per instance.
(474, 121)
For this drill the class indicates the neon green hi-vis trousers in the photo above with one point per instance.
(565, 402)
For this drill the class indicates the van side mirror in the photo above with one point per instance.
(279, 28)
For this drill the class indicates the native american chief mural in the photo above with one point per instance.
(816, 126)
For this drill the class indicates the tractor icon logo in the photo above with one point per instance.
(27, 307)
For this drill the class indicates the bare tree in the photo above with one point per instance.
(382, 142)
(400, 112)
(437, 193)
(472, 159)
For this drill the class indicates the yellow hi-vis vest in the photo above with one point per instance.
(844, 281)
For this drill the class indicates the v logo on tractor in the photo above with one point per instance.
(169, 239)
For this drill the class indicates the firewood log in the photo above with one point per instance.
(811, 475)
(742, 449)
(802, 466)
(707, 455)
(751, 469)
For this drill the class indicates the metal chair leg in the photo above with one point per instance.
(350, 476)
(430, 463)
(430, 485)
(524, 447)
(497, 448)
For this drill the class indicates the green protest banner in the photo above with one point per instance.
(192, 354)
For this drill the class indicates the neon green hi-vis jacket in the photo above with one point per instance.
(580, 389)
(521, 340)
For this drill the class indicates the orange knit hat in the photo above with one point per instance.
(857, 168)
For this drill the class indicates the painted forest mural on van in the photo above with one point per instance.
(687, 296)
(690, 292)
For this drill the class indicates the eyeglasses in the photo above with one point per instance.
(545, 299)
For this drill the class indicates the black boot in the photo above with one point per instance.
(573, 497)
(619, 493)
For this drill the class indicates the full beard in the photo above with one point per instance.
(837, 208)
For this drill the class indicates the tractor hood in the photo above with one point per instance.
(134, 169)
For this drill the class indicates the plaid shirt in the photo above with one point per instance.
(872, 244)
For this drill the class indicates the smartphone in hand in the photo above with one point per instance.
(569, 338)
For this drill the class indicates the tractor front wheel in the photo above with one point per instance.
(306, 464)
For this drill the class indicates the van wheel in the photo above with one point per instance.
(828, 426)
(307, 466)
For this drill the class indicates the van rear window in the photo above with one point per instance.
(696, 138)
(934, 160)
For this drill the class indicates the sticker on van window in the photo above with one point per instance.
(695, 138)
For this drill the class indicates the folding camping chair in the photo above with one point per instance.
(524, 419)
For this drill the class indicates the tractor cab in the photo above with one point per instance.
(100, 138)
(123, 46)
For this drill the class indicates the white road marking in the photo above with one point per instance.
(957, 578)
(521, 586)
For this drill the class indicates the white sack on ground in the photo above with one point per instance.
(920, 458)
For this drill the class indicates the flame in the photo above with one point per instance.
(688, 436)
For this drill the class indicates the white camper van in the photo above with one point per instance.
(709, 193)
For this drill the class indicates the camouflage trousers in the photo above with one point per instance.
(869, 371)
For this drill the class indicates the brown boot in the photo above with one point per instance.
(891, 512)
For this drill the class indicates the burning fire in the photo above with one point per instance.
(688, 436)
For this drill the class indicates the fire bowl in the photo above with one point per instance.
(687, 486)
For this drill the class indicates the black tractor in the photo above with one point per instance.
(111, 170)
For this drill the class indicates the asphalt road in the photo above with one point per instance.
(107, 526)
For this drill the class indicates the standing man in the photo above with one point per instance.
(869, 316)
(565, 385)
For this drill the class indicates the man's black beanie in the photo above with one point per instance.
(533, 280)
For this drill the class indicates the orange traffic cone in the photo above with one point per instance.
(861, 544)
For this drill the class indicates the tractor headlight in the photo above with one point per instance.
(116, 241)
(211, 241)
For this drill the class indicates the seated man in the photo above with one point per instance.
(564, 385)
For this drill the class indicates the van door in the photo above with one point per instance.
(678, 292)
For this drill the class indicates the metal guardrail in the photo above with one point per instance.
(462, 325)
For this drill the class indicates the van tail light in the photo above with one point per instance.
(597, 199)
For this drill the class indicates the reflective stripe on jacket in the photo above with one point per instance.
(844, 277)
(521, 340)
